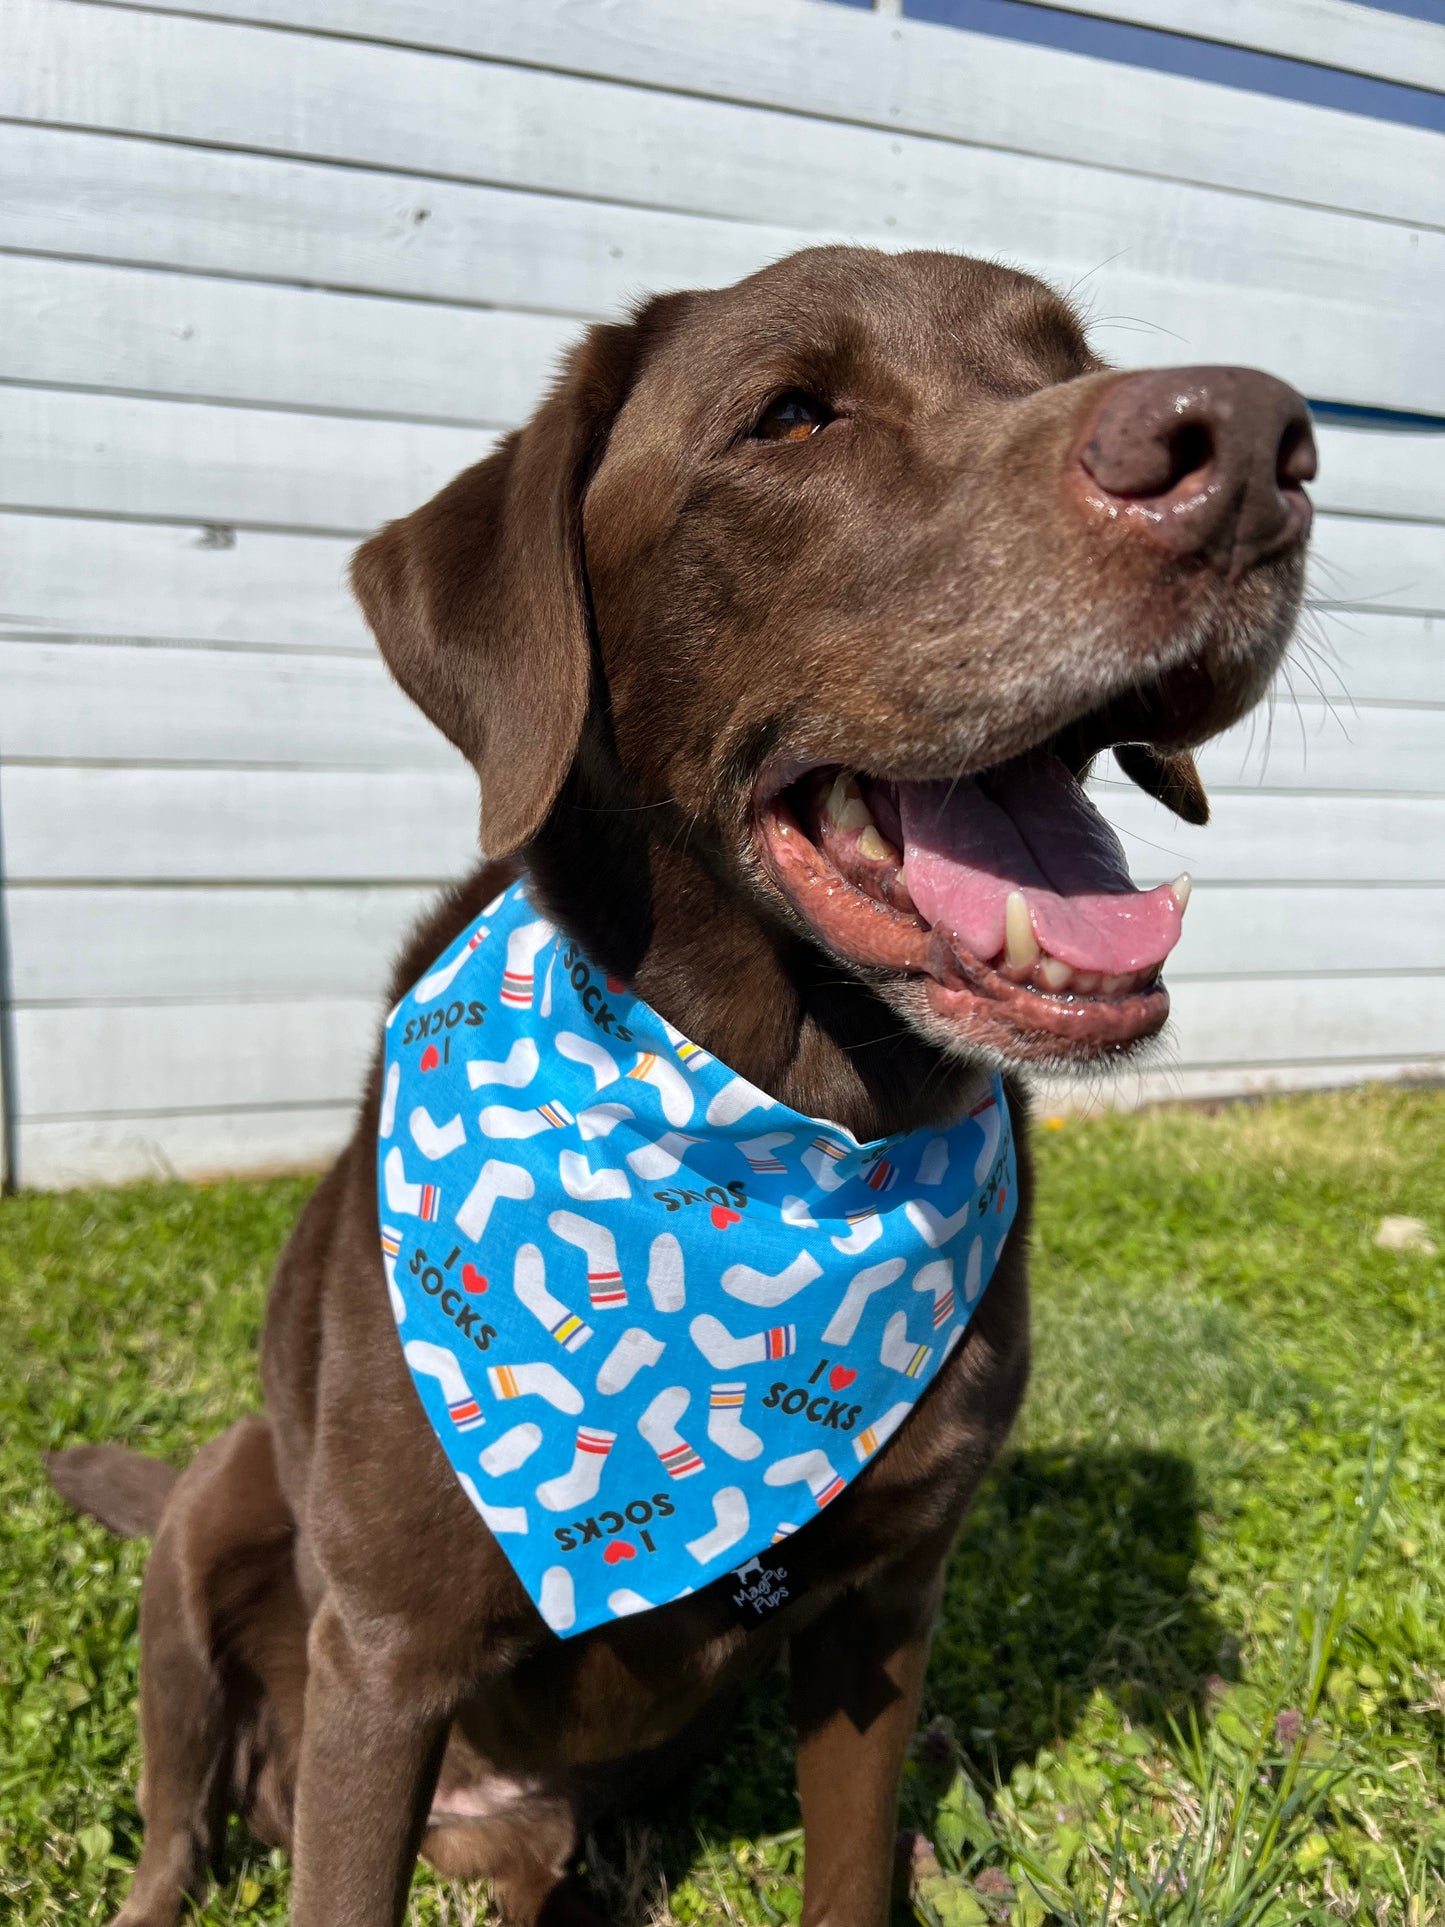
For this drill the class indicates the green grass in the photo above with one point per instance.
(1192, 1664)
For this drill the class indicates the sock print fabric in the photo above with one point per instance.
(656, 1319)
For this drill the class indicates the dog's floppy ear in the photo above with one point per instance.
(479, 599)
(1170, 777)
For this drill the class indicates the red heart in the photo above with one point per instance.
(1002, 1197)
(841, 1377)
(616, 985)
(430, 1058)
(472, 1279)
(616, 1550)
(722, 1217)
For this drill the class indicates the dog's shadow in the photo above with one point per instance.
(1075, 1574)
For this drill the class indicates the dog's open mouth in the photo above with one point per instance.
(1005, 893)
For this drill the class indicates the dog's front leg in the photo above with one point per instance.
(370, 1752)
(857, 1675)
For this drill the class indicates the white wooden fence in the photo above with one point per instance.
(273, 270)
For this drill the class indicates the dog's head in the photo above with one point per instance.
(839, 580)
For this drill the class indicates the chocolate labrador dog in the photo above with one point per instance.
(780, 639)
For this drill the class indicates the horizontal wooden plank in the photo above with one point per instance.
(1303, 744)
(1375, 471)
(1358, 562)
(84, 1061)
(97, 578)
(93, 325)
(126, 825)
(80, 702)
(908, 76)
(61, 1154)
(1327, 33)
(254, 217)
(1301, 931)
(86, 945)
(1224, 272)
(122, 454)
(1283, 839)
(1281, 1021)
(1356, 655)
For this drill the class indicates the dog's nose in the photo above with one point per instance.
(1204, 462)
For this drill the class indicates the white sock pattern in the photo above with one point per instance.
(867, 1230)
(881, 1430)
(390, 1246)
(494, 1180)
(501, 1518)
(736, 1098)
(932, 1226)
(664, 1273)
(516, 1070)
(812, 1468)
(535, 1381)
(529, 1282)
(422, 1201)
(934, 1163)
(937, 1277)
(624, 1602)
(898, 1351)
(604, 1281)
(720, 1348)
(973, 1274)
(580, 1181)
(730, 1510)
(669, 1083)
(762, 1152)
(500, 1120)
(768, 1289)
(441, 979)
(388, 1102)
(725, 1422)
(660, 1158)
(658, 1425)
(633, 1353)
(522, 947)
(511, 1450)
(601, 1120)
(435, 1140)
(821, 1160)
(582, 1050)
(559, 1599)
(579, 1485)
(986, 1115)
(435, 1361)
(797, 1214)
(841, 1326)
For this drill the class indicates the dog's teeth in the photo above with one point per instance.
(1182, 886)
(845, 807)
(1056, 974)
(1086, 981)
(1111, 986)
(1021, 946)
(876, 847)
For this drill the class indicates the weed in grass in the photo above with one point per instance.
(1125, 1654)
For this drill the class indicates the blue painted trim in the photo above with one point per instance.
(1174, 53)
(1431, 10)
(1397, 420)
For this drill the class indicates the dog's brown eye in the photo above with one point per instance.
(791, 418)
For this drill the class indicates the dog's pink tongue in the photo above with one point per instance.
(1036, 831)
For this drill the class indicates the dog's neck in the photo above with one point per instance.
(706, 957)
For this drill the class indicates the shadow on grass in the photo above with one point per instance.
(1074, 1573)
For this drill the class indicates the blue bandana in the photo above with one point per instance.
(656, 1318)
